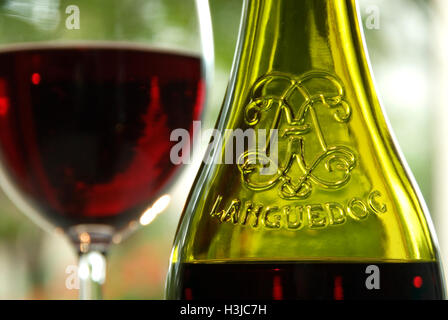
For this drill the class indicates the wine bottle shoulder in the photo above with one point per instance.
(307, 167)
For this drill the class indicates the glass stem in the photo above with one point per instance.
(92, 273)
(92, 242)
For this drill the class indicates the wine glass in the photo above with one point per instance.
(90, 91)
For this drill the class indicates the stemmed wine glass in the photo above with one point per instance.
(90, 91)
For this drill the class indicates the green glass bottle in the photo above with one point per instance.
(324, 207)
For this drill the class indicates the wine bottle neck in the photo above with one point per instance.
(296, 35)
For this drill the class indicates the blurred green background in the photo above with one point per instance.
(406, 47)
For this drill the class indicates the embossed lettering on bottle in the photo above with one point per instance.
(289, 105)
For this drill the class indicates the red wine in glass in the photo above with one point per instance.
(85, 130)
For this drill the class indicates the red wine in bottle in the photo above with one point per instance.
(304, 280)
(85, 130)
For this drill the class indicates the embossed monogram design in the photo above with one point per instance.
(294, 102)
